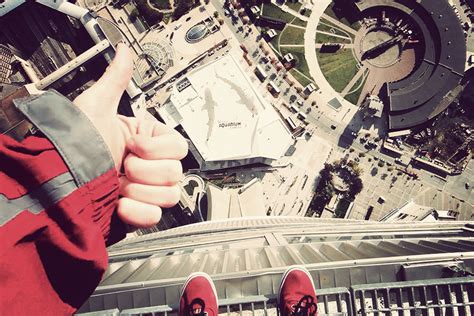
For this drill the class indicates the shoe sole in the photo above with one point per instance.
(285, 275)
(202, 274)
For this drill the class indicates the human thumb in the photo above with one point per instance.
(103, 97)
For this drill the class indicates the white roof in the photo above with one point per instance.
(9, 5)
(225, 118)
(235, 202)
(410, 212)
(288, 57)
(272, 32)
(255, 9)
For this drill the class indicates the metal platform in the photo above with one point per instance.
(349, 261)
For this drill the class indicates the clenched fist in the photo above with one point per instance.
(149, 153)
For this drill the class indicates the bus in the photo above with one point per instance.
(274, 90)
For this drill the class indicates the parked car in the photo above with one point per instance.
(309, 89)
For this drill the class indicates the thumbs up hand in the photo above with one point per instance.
(148, 152)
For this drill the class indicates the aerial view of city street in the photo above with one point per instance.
(346, 113)
(347, 109)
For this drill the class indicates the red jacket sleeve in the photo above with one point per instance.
(57, 211)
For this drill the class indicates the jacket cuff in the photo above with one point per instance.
(84, 152)
(71, 132)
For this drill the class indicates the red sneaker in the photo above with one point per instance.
(297, 295)
(198, 296)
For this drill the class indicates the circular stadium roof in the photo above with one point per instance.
(421, 96)
(196, 33)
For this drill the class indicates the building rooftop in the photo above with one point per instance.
(9, 5)
(224, 116)
(418, 98)
(410, 212)
(235, 202)
(367, 266)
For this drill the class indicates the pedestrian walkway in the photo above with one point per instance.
(334, 35)
(349, 86)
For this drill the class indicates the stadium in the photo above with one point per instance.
(432, 27)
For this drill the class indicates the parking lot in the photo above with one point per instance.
(386, 189)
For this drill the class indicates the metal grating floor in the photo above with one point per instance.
(453, 296)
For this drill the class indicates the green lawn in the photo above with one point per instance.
(301, 79)
(299, 22)
(354, 96)
(329, 11)
(295, 6)
(335, 26)
(298, 52)
(326, 38)
(161, 4)
(338, 68)
(273, 11)
(292, 35)
(327, 26)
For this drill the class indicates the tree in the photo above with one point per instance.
(151, 16)
(356, 187)
(182, 7)
(216, 14)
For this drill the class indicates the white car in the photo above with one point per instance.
(289, 58)
(271, 33)
(255, 9)
(309, 88)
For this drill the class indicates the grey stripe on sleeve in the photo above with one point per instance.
(46, 195)
(75, 138)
